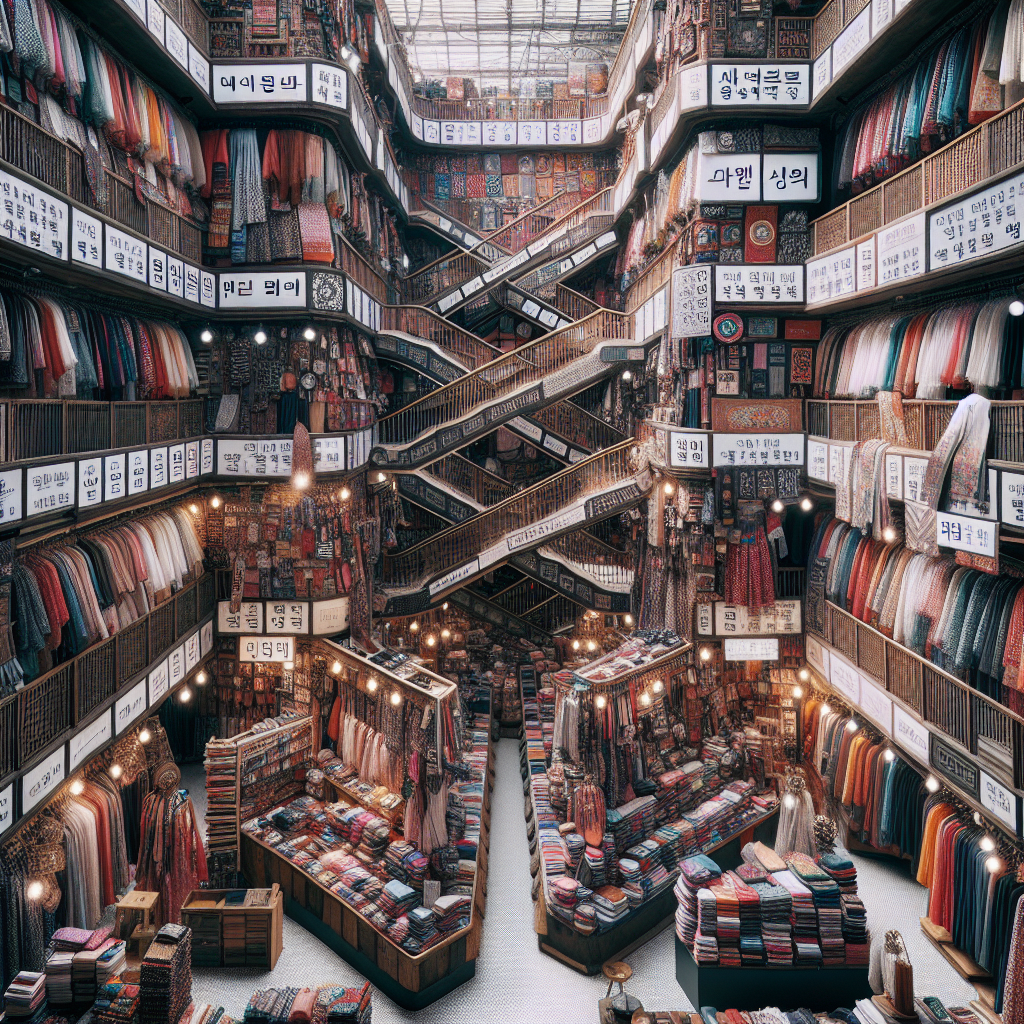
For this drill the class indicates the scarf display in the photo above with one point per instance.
(98, 104)
(56, 349)
(966, 78)
(976, 345)
(961, 619)
(69, 596)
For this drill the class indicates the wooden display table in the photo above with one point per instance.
(137, 902)
(751, 988)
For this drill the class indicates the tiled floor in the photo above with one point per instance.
(514, 981)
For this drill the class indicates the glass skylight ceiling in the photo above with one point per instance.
(498, 41)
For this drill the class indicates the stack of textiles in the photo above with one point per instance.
(611, 903)
(68, 598)
(919, 355)
(695, 873)
(855, 929)
(117, 1003)
(827, 905)
(632, 821)
(270, 1005)
(838, 866)
(92, 968)
(344, 1005)
(61, 350)
(705, 939)
(963, 80)
(676, 789)
(752, 948)
(397, 899)
(205, 1013)
(165, 978)
(452, 912)
(58, 978)
(25, 998)
(776, 929)
(422, 930)
(406, 864)
(803, 918)
(563, 895)
(727, 922)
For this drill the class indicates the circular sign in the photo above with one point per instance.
(308, 381)
(762, 232)
(728, 327)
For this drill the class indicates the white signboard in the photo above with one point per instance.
(159, 682)
(130, 707)
(832, 276)
(115, 477)
(176, 463)
(50, 488)
(1001, 802)
(248, 618)
(254, 458)
(866, 263)
(901, 250)
(817, 460)
(33, 218)
(287, 618)
(89, 739)
(206, 638)
(851, 41)
(764, 85)
(176, 42)
(330, 616)
(280, 290)
(781, 618)
(259, 83)
(822, 72)
(729, 178)
(546, 528)
(330, 86)
(688, 451)
(914, 470)
(258, 648)
(6, 808)
(464, 572)
(986, 222)
(155, 19)
(964, 534)
(206, 456)
(691, 302)
(176, 665)
(192, 653)
(40, 782)
(845, 678)
(158, 468)
(876, 705)
(894, 476)
(126, 255)
(199, 68)
(790, 177)
(762, 283)
(910, 734)
(10, 496)
(818, 656)
(758, 449)
(754, 649)
(86, 239)
(138, 472)
(1011, 503)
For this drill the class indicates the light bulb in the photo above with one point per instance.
(628, 620)
(381, 477)
(301, 480)
(806, 504)
(932, 784)
(798, 692)
(627, 375)
(988, 844)
(852, 725)
(77, 787)
(789, 801)
(185, 696)
(890, 754)
(34, 891)
(215, 502)
(591, 646)
(396, 698)
(993, 865)
(825, 709)
(405, 262)
(371, 685)
(206, 337)
(289, 665)
(201, 678)
(600, 702)
(345, 494)
(431, 641)
(575, 645)
(888, 535)
(705, 654)
(804, 674)
(657, 686)
(645, 698)
(777, 506)
(1017, 308)
(414, 625)
(260, 337)
(336, 667)
(145, 735)
(444, 607)
(309, 333)
(194, 509)
(445, 634)
(668, 488)
(115, 771)
(978, 820)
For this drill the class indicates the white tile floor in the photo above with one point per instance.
(514, 981)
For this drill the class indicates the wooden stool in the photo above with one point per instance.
(134, 903)
(617, 971)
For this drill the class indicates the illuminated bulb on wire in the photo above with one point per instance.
(852, 725)
(301, 480)
(657, 686)
(993, 865)
(705, 654)
(345, 494)
(988, 844)
(932, 784)
(309, 334)
(806, 504)
(431, 641)
(888, 535)
(77, 787)
(1017, 308)
(34, 891)
(336, 667)
(804, 674)
(185, 696)
(890, 755)
(798, 692)
(201, 678)
(289, 665)
(206, 337)
(371, 685)
(645, 698)
(396, 698)
(194, 509)
(778, 506)
(260, 337)
(600, 702)
(115, 771)
(145, 735)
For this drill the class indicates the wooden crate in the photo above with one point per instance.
(209, 920)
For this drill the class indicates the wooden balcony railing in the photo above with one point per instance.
(609, 566)
(989, 150)
(459, 544)
(51, 707)
(574, 424)
(37, 429)
(424, 323)
(990, 731)
(471, 480)
(528, 364)
(571, 303)
(29, 148)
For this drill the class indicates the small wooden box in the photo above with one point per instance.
(234, 936)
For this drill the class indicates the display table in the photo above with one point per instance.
(751, 988)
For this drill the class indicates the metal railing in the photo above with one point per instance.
(362, 271)
(571, 304)
(37, 429)
(441, 276)
(555, 614)
(471, 480)
(990, 149)
(925, 421)
(574, 424)
(53, 705)
(609, 566)
(654, 276)
(457, 545)
(990, 731)
(529, 364)
(192, 18)
(421, 322)
(29, 148)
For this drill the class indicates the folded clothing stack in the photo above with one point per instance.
(58, 978)
(632, 822)
(563, 895)
(117, 1003)
(694, 874)
(452, 912)
(345, 1005)
(840, 869)
(165, 978)
(206, 1013)
(404, 862)
(803, 918)
(611, 904)
(855, 929)
(825, 893)
(776, 930)
(398, 899)
(25, 998)
(422, 930)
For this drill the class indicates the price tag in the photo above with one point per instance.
(894, 476)
(138, 472)
(130, 707)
